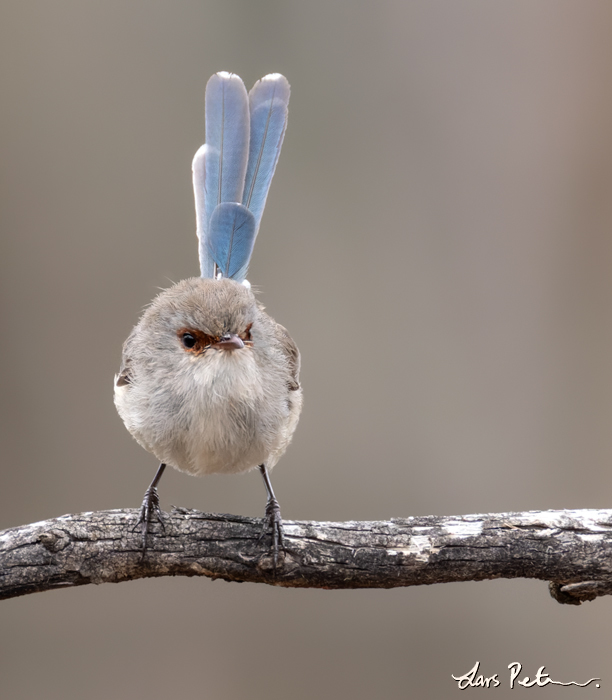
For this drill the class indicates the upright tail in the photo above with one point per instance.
(233, 170)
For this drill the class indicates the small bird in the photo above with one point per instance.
(209, 382)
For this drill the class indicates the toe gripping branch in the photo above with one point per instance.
(150, 508)
(273, 521)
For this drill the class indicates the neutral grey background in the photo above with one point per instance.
(438, 242)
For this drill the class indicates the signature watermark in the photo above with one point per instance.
(474, 679)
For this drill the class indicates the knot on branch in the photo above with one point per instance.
(54, 540)
(577, 593)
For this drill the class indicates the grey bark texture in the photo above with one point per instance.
(571, 549)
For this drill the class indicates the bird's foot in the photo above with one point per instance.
(148, 510)
(274, 523)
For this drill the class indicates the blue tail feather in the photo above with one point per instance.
(268, 123)
(207, 264)
(244, 134)
(231, 238)
(227, 139)
(268, 100)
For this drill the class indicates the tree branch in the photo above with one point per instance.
(572, 549)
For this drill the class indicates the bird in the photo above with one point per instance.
(209, 382)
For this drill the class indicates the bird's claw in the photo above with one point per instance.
(150, 508)
(273, 522)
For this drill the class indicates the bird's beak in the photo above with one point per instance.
(229, 341)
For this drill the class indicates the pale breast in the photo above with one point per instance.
(223, 415)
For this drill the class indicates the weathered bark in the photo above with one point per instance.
(571, 549)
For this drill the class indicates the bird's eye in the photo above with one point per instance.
(188, 340)
(194, 340)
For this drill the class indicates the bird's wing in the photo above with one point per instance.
(292, 354)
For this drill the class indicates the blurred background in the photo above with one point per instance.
(441, 212)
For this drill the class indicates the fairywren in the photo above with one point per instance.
(209, 383)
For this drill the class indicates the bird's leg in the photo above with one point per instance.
(272, 518)
(150, 507)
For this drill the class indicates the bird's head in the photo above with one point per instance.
(198, 318)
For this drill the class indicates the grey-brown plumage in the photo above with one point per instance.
(210, 409)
